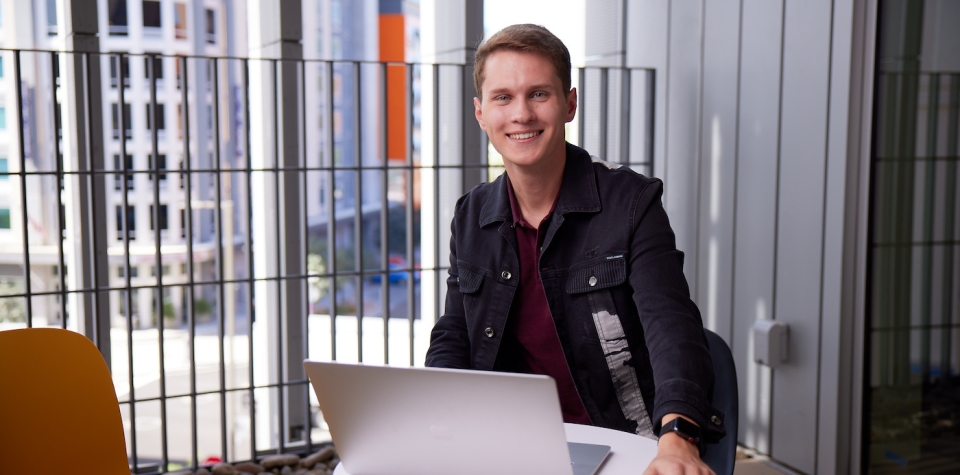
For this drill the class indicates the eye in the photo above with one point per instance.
(539, 95)
(501, 98)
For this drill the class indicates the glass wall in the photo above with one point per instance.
(912, 401)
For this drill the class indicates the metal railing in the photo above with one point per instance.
(188, 281)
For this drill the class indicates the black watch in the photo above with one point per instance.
(686, 429)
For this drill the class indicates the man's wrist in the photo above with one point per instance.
(678, 429)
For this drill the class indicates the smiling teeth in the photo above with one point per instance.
(524, 136)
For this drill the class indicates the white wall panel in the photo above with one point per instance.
(833, 350)
(755, 250)
(681, 165)
(805, 83)
(718, 150)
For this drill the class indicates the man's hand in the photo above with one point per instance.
(676, 456)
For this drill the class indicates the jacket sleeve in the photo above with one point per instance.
(449, 341)
(673, 329)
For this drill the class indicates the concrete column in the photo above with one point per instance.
(85, 201)
(275, 34)
(451, 135)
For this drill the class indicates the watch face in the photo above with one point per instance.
(687, 428)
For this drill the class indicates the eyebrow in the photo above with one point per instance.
(535, 87)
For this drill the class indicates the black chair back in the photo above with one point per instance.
(722, 455)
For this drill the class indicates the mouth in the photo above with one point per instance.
(525, 135)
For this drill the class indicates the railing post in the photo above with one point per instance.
(86, 192)
(278, 236)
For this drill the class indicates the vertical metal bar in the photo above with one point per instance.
(61, 219)
(604, 106)
(929, 200)
(28, 288)
(191, 285)
(154, 131)
(384, 214)
(221, 238)
(436, 190)
(358, 206)
(331, 214)
(250, 277)
(279, 278)
(125, 217)
(304, 340)
(651, 109)
(409, 208)
(625, 103)
(581, 99)
(101, 321)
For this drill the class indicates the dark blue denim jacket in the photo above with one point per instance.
(610, 267)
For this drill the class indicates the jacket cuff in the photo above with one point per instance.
(679, 396)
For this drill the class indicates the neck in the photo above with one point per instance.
(536, 190)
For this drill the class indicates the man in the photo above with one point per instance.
(567, 266)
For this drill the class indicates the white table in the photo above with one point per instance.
(629, 453)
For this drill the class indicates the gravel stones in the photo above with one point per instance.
(321, 462)
(277, 461)
(223, 469)
(322, 455)
(248, 467)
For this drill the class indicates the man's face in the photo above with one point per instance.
(524, 108)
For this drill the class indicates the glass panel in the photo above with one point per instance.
(913, 334)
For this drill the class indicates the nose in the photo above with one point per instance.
(523, 111)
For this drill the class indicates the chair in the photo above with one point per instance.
(722, 455)
(58, 407)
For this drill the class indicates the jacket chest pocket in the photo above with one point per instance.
(590, 285)
(486, 300)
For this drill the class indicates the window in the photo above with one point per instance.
(183, 176)
(4, 218)
(3, 118)
(157, 61)
(161, 168)
(115, 122)
(211, 26)
(133, 272)
(51, 18)
(4, 169)
(131, 222)
(117, 17)
(124, 67)
(160, 117)
(117, 184)
(183, 228)
(163, 217)
(1, 66)
(151, 13)
(180, 21)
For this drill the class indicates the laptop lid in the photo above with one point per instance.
(422, 421)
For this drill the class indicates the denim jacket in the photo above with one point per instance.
(614, 282)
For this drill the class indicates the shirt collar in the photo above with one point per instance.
(578, 191)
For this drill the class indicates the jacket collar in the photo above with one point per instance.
(578, 192)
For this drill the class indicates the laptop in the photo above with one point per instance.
(421, 421)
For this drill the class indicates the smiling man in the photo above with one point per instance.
(566, 265)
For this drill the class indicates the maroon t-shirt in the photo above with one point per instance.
(530, 323)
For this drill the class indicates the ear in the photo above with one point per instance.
(571, 104)
(478, 112)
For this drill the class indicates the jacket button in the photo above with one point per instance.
(489, 332)
(506, 275)
(716, 420)
(592, 281)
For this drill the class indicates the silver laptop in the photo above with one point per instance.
(422, 421)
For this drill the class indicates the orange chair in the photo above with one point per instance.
(58, 407)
